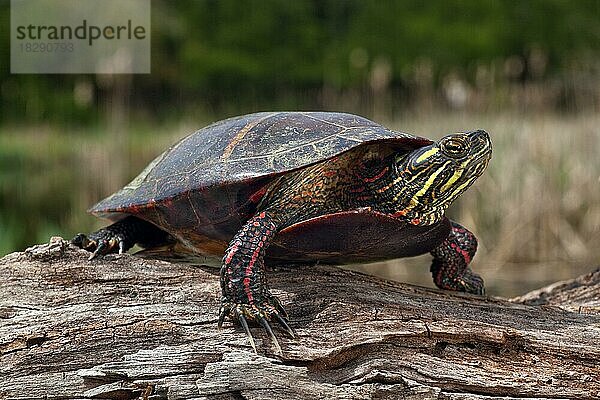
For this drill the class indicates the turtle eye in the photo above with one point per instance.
(454, 147)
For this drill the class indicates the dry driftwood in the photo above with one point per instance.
(123, 327)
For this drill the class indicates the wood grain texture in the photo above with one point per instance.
(123, 327)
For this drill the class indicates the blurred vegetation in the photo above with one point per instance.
(328, 53)
(527, 71)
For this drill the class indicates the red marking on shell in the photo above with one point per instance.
(256, 196)
(376, 177)
(415, 221)
(400, 213)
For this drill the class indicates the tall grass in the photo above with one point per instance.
(536, 210)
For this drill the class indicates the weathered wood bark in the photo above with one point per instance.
(123, 327)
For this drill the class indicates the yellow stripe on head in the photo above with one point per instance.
(455, 176)
(415, 199)
(462, 187)
(427, 154)
(429, 182)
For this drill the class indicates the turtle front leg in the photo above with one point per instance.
(121, 236)
(450, 266)
(246, 296)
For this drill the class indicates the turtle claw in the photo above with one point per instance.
(101, 248)
(223, 312)
(267, 327)
(470, 282)
(121, 246)
(82, 241)
(282, 320)
(279, 308)
(258, 313)
(244, 324)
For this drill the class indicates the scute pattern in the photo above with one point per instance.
(245, 148)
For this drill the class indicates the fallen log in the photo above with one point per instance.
(125, 327)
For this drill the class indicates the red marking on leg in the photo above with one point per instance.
(242, 276)
(249, 268)
(438, 278)
(459, 230)
(376, 177)
(330, 173)
(247, 290)
(462, 252)
(231, 253)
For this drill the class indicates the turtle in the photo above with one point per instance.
(288, 187)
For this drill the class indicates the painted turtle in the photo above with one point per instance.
(299, 186)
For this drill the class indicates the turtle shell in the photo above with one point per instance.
(203, 188)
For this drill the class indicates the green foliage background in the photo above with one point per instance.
(528, 71)
(281, 53)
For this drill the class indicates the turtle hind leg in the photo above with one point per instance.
(450, 266)
(121, 236)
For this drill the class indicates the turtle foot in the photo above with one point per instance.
(466, 281)
(260, 313)
(100, 242)
(469, 282)
(450, 266)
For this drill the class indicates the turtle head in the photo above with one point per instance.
(432, 177)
